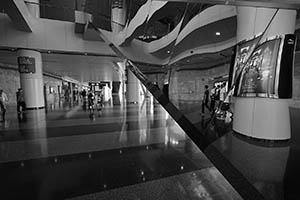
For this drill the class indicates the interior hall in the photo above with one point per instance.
(149, 99)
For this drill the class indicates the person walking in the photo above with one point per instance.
(3, 100)
(222, 93)
(205, 100)
(20, 100)
(213, 94)
(220, 111)
(91, 98)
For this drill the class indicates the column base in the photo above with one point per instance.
(133, 102)
(260, 141)
(35, 108)
(262, 118)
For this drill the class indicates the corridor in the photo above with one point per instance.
(124, 151)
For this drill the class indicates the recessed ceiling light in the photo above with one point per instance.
(218, 33)
(168, 51)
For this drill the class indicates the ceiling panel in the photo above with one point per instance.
(79, 67)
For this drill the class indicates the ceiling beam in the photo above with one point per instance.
(284, 4)
(19, 14)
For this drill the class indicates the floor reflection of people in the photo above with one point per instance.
(22, 117)
(116, 100)
(92, 116)
(214, 128)
(205, 122)
(84, 104)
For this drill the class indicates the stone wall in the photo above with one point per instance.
(188, 85)
(10, 82)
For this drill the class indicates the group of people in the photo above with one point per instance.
(92, 100)
(21, 106)
(218, 98)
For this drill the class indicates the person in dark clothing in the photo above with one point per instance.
(20, 100)
(3, 100)
(84, 100)
(205, 100)
(213, 94)
(91, 98)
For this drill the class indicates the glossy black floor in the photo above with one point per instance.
(65, 152)
(73, 175)
(271, 167)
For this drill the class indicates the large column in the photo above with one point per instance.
(132, 88)
(263, 118)
(118, 15)
(34, 7)
(31, 78)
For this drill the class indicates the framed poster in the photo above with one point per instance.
(242, 52)
(265, 69)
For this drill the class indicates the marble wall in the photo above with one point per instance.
(10, 82)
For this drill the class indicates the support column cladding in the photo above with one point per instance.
(32, 83)
(263, 118)
(132, 88)
(118, 15)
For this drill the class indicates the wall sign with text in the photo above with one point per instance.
(26, 64)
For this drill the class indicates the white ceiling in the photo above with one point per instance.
(79, 67)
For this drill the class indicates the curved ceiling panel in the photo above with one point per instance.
(135, 26)
(207, 35)
(202, 37)
(206, 17)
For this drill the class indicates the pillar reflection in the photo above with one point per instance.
(36, 120)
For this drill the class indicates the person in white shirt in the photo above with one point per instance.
(3, 100)
(223, 92)
(222, 99)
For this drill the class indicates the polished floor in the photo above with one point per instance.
(272, 167)
(124, 151)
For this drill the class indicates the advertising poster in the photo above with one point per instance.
(257, 67)
(258, 75)
(242, 52)
(26, 64)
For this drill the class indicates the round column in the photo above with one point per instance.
(263, 118)
(118, 15)
(33, 7)
(132, 88)
(31, 78)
